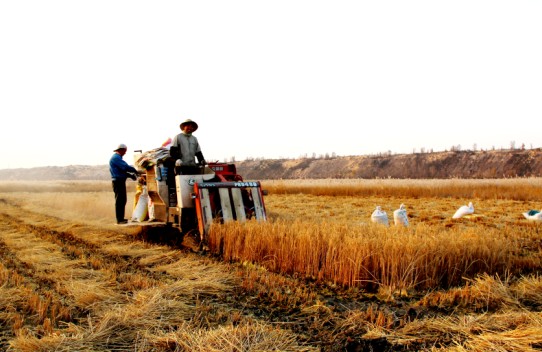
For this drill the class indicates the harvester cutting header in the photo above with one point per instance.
(191, 196)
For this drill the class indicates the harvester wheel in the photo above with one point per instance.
(177, 241)
(192, 240)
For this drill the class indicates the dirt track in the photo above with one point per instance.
(57, 272)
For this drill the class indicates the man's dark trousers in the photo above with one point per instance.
(119, 187)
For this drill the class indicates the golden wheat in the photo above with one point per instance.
(368, 255)
(512, 188)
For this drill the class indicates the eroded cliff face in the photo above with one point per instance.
(462, 164)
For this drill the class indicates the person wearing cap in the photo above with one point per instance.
(185, 149)
(120, 171)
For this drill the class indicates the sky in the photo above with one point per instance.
(267, 79)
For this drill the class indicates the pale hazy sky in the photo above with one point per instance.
(266, 78)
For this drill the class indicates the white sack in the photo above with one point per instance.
(400, 217)
(141, 209)
(379, 216)
(464, 210)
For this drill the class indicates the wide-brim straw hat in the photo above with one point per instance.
(188, 121)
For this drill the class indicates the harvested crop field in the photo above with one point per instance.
(318, 276)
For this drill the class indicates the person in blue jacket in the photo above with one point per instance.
(120, 171)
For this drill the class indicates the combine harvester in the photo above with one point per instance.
(216, 195)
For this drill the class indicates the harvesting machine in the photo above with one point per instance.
(191, 203)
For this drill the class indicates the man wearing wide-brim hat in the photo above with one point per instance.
(185, 149)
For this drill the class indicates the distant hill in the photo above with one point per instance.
(47, 173)
(452, 164)
(455, 164)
